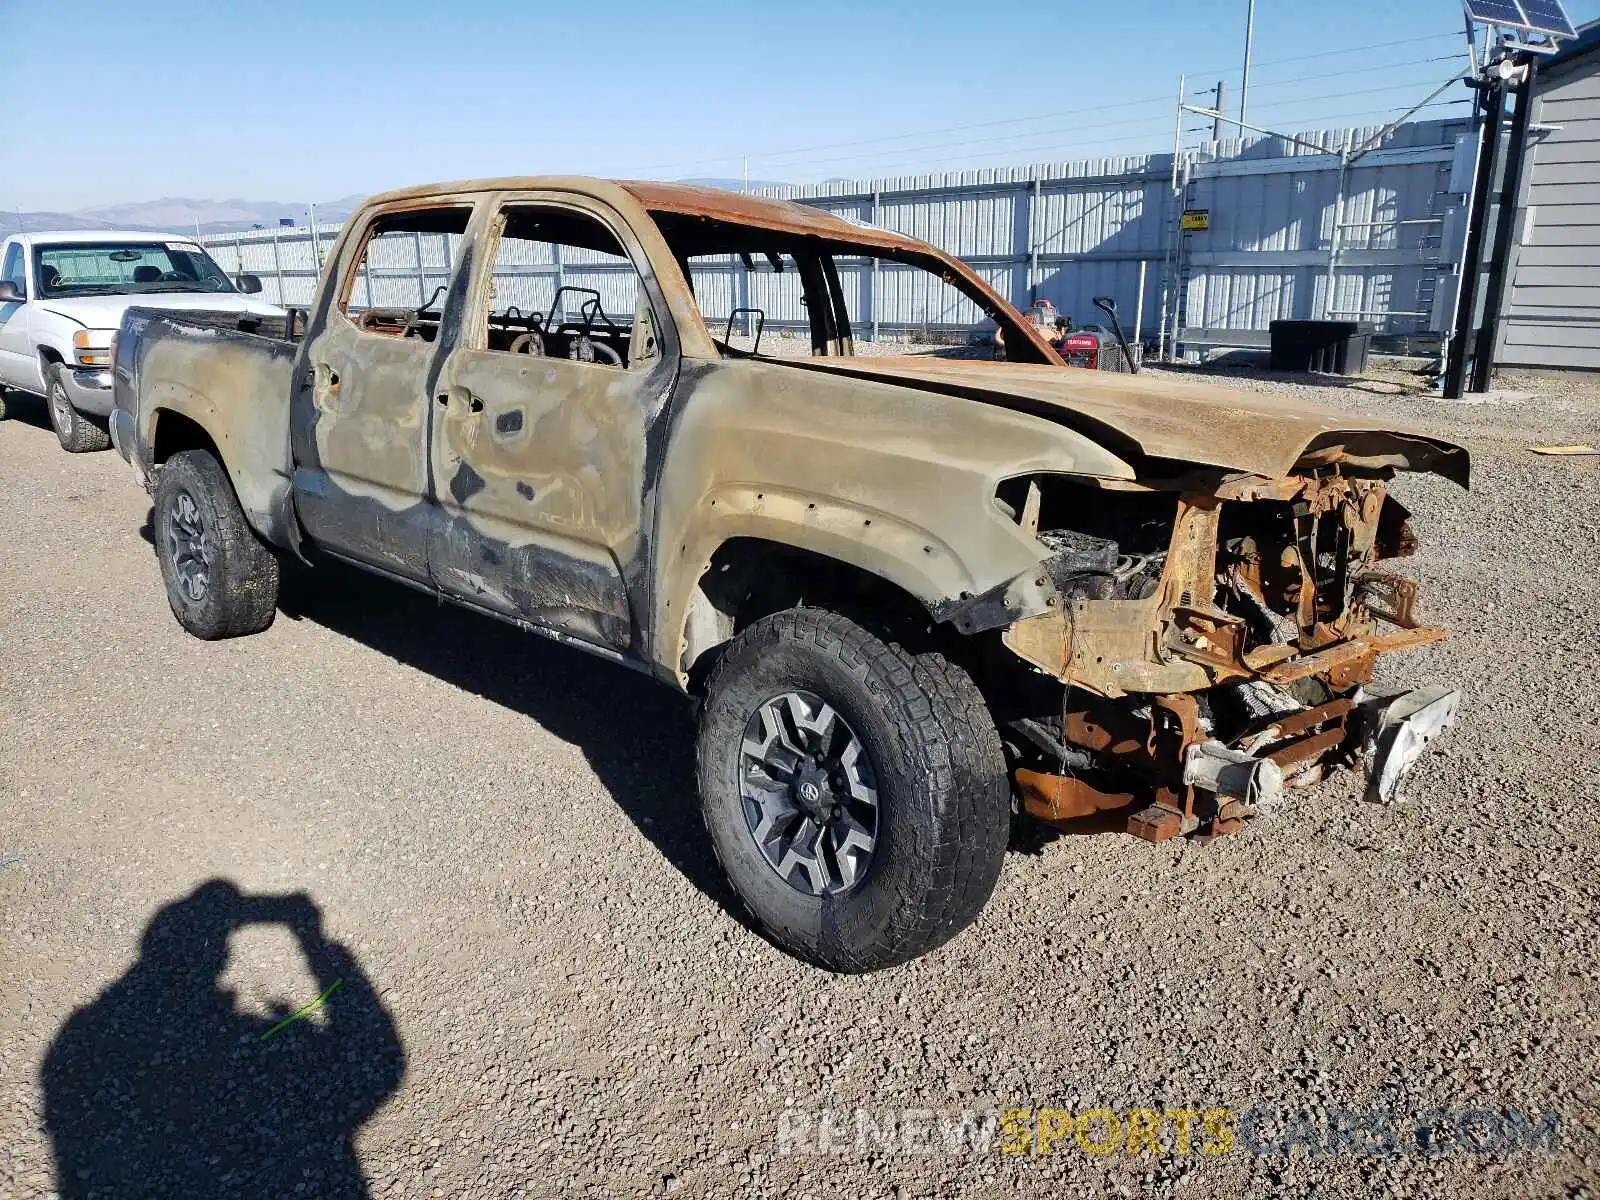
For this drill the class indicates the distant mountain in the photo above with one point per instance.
(177, 214)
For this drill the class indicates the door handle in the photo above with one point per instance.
(472, 402)
(324, 387)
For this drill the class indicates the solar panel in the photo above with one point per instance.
(1534, 16)
(1495, 12)
(1547, 16)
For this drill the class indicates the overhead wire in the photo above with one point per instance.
(883, 148)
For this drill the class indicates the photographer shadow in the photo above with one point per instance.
(161, 1087)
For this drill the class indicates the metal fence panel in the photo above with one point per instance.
(1066, 232)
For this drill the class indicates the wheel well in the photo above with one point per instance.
(752, 578)
(176, 432)
(49, 358)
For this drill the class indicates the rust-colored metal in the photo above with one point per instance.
(1057, 798)
(1312, 718)
(1157, 823)
(1390, 598)
(1353, 673)
(1407, 639)
(758, 212)
(1109, 732)
(1309, 749)
(1323, 661)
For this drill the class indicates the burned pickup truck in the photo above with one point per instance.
(915, 597)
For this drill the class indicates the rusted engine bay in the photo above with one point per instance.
(1212, 639)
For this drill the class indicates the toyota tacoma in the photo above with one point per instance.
(915, 598)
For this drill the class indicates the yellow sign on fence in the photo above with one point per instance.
(1196, 220)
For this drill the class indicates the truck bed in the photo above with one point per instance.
(278, 329)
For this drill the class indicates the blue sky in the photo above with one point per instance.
(304, 100)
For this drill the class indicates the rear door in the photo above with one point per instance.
(542, 420)
(364, 385)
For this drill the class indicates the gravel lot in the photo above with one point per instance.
(547, 991)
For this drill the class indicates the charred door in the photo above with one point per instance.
(541, 419)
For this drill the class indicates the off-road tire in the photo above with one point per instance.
(943, 801)
(240, 593)
(77, 433)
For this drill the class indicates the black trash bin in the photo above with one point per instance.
(1333, 347)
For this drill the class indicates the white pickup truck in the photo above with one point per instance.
(62, 296)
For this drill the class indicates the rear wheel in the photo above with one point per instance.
(76, 432)
(221, 580)
(855, 792)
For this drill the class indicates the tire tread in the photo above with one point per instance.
(949, 740)
(247, 572)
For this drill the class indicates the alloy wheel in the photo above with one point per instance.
(187, 544)
(809, 794)
(61, 414)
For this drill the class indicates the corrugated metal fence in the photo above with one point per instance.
(1289, 227)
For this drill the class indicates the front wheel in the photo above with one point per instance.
(855, 793)
(76, 432)
(221, 580)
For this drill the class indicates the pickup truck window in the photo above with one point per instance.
(86, 269)
(381, 293)
(818, 285)
(13, 269)
(563, 287)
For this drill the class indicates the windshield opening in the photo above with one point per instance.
(775, 293)
(96, 268)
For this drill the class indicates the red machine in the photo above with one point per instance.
(1097, 348)
(1081, 348)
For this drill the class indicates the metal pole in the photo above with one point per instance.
(277, 266)
(1500, 255)
(316, 242)
(1222, 103)
(561, 282)
(1138, 316)
(743, 300)
(422, 275)
(1249, 51)
(1337, 233)
(1172, 227)
(877, 202)
(1033, 242)
(1492, 104)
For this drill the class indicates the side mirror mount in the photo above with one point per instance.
(10, 293)
(248, 284)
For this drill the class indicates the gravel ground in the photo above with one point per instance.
(491, 841)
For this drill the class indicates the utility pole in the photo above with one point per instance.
(746, 162)
(1221, 106)
(316, 242)
(1249, 51)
